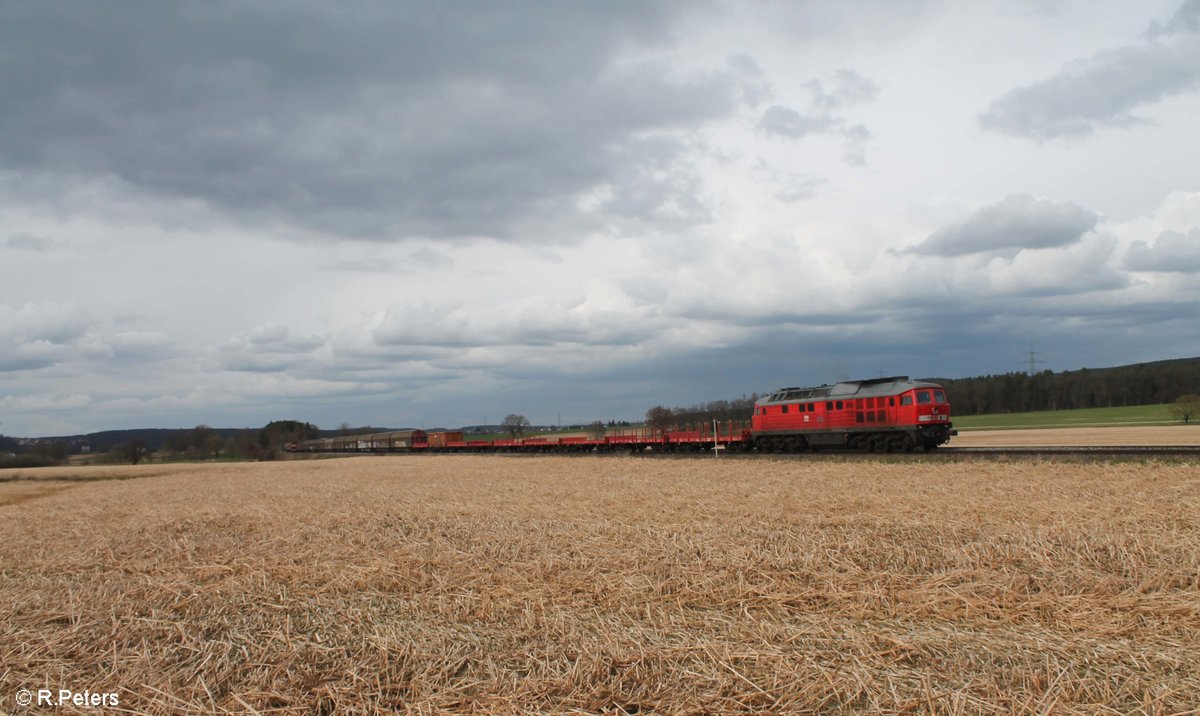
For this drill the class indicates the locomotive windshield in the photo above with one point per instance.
(939, 396)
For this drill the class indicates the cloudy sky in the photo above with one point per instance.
(410, 214)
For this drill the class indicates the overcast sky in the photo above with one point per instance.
(429, 214)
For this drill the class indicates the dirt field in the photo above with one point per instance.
(1154, 435)
(605, 585)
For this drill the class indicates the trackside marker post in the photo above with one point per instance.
(716, 445)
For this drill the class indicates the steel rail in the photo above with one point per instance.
(1040, 451)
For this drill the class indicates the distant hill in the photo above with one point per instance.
(105, 439)
(155, 438)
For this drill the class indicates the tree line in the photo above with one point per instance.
(1139, 384)
(199, 443)
(203, 442)
(662, 419)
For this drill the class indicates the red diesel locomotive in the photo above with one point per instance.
(888, 414)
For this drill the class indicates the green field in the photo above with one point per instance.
(1089, 417)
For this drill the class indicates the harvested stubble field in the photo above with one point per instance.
(606, 585)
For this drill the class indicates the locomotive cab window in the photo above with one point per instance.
(891, 402)
(923, 396)
(939, 396)
(785, 408)
(829, 405)
(839, 405)
(906, 400)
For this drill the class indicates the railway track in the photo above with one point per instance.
(1077, 450)
(1064, 452)
(1046, 451)
(943, 453)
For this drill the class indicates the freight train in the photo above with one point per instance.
(893, 414)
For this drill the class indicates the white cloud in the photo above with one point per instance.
(40, 335)
(1172, 252)
(1103, 90)
(28, 242)
(823, 118)
(142, 345)
(1018, 222)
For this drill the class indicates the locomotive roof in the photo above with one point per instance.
(847, 389)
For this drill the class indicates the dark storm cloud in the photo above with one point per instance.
(397, 119)
(1104, 89)
(1018, 222)
(1172, 252)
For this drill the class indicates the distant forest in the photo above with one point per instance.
(1139, 384)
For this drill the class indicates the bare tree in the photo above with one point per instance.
(177, 442)
(596, 430)
(660, 419)
(213, 445)
(132, 452)
(57, 450)
(199, 439)
(515, 425)
(1186, 407)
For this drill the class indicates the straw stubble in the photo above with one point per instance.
(607, 585)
